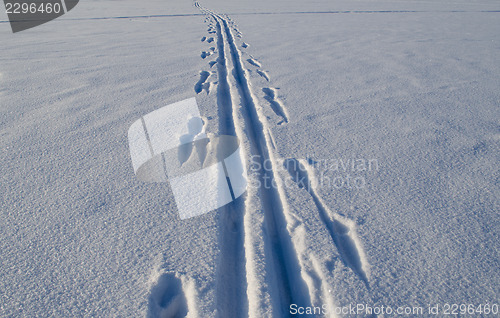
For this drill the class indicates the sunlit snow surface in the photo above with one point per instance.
(321, 89)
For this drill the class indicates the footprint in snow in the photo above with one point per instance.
(167, 298)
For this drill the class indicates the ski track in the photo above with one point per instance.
(288, 285)
(341, 230)
(289, 282)
(231, 300)
(291, 288)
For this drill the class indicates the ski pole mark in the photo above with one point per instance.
(276, 104)
(254, 62)
(264, 75)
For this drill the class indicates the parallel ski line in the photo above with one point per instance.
(231, 300)
(291, 285)
(256, 305)
(231, 274)
(288, 286)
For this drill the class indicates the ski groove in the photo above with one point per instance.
(291, 286)
(264, 75)
(276, 104)
(235, 96)
(231, 269)
(231, 298)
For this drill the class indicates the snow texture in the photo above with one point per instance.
(369, 130)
